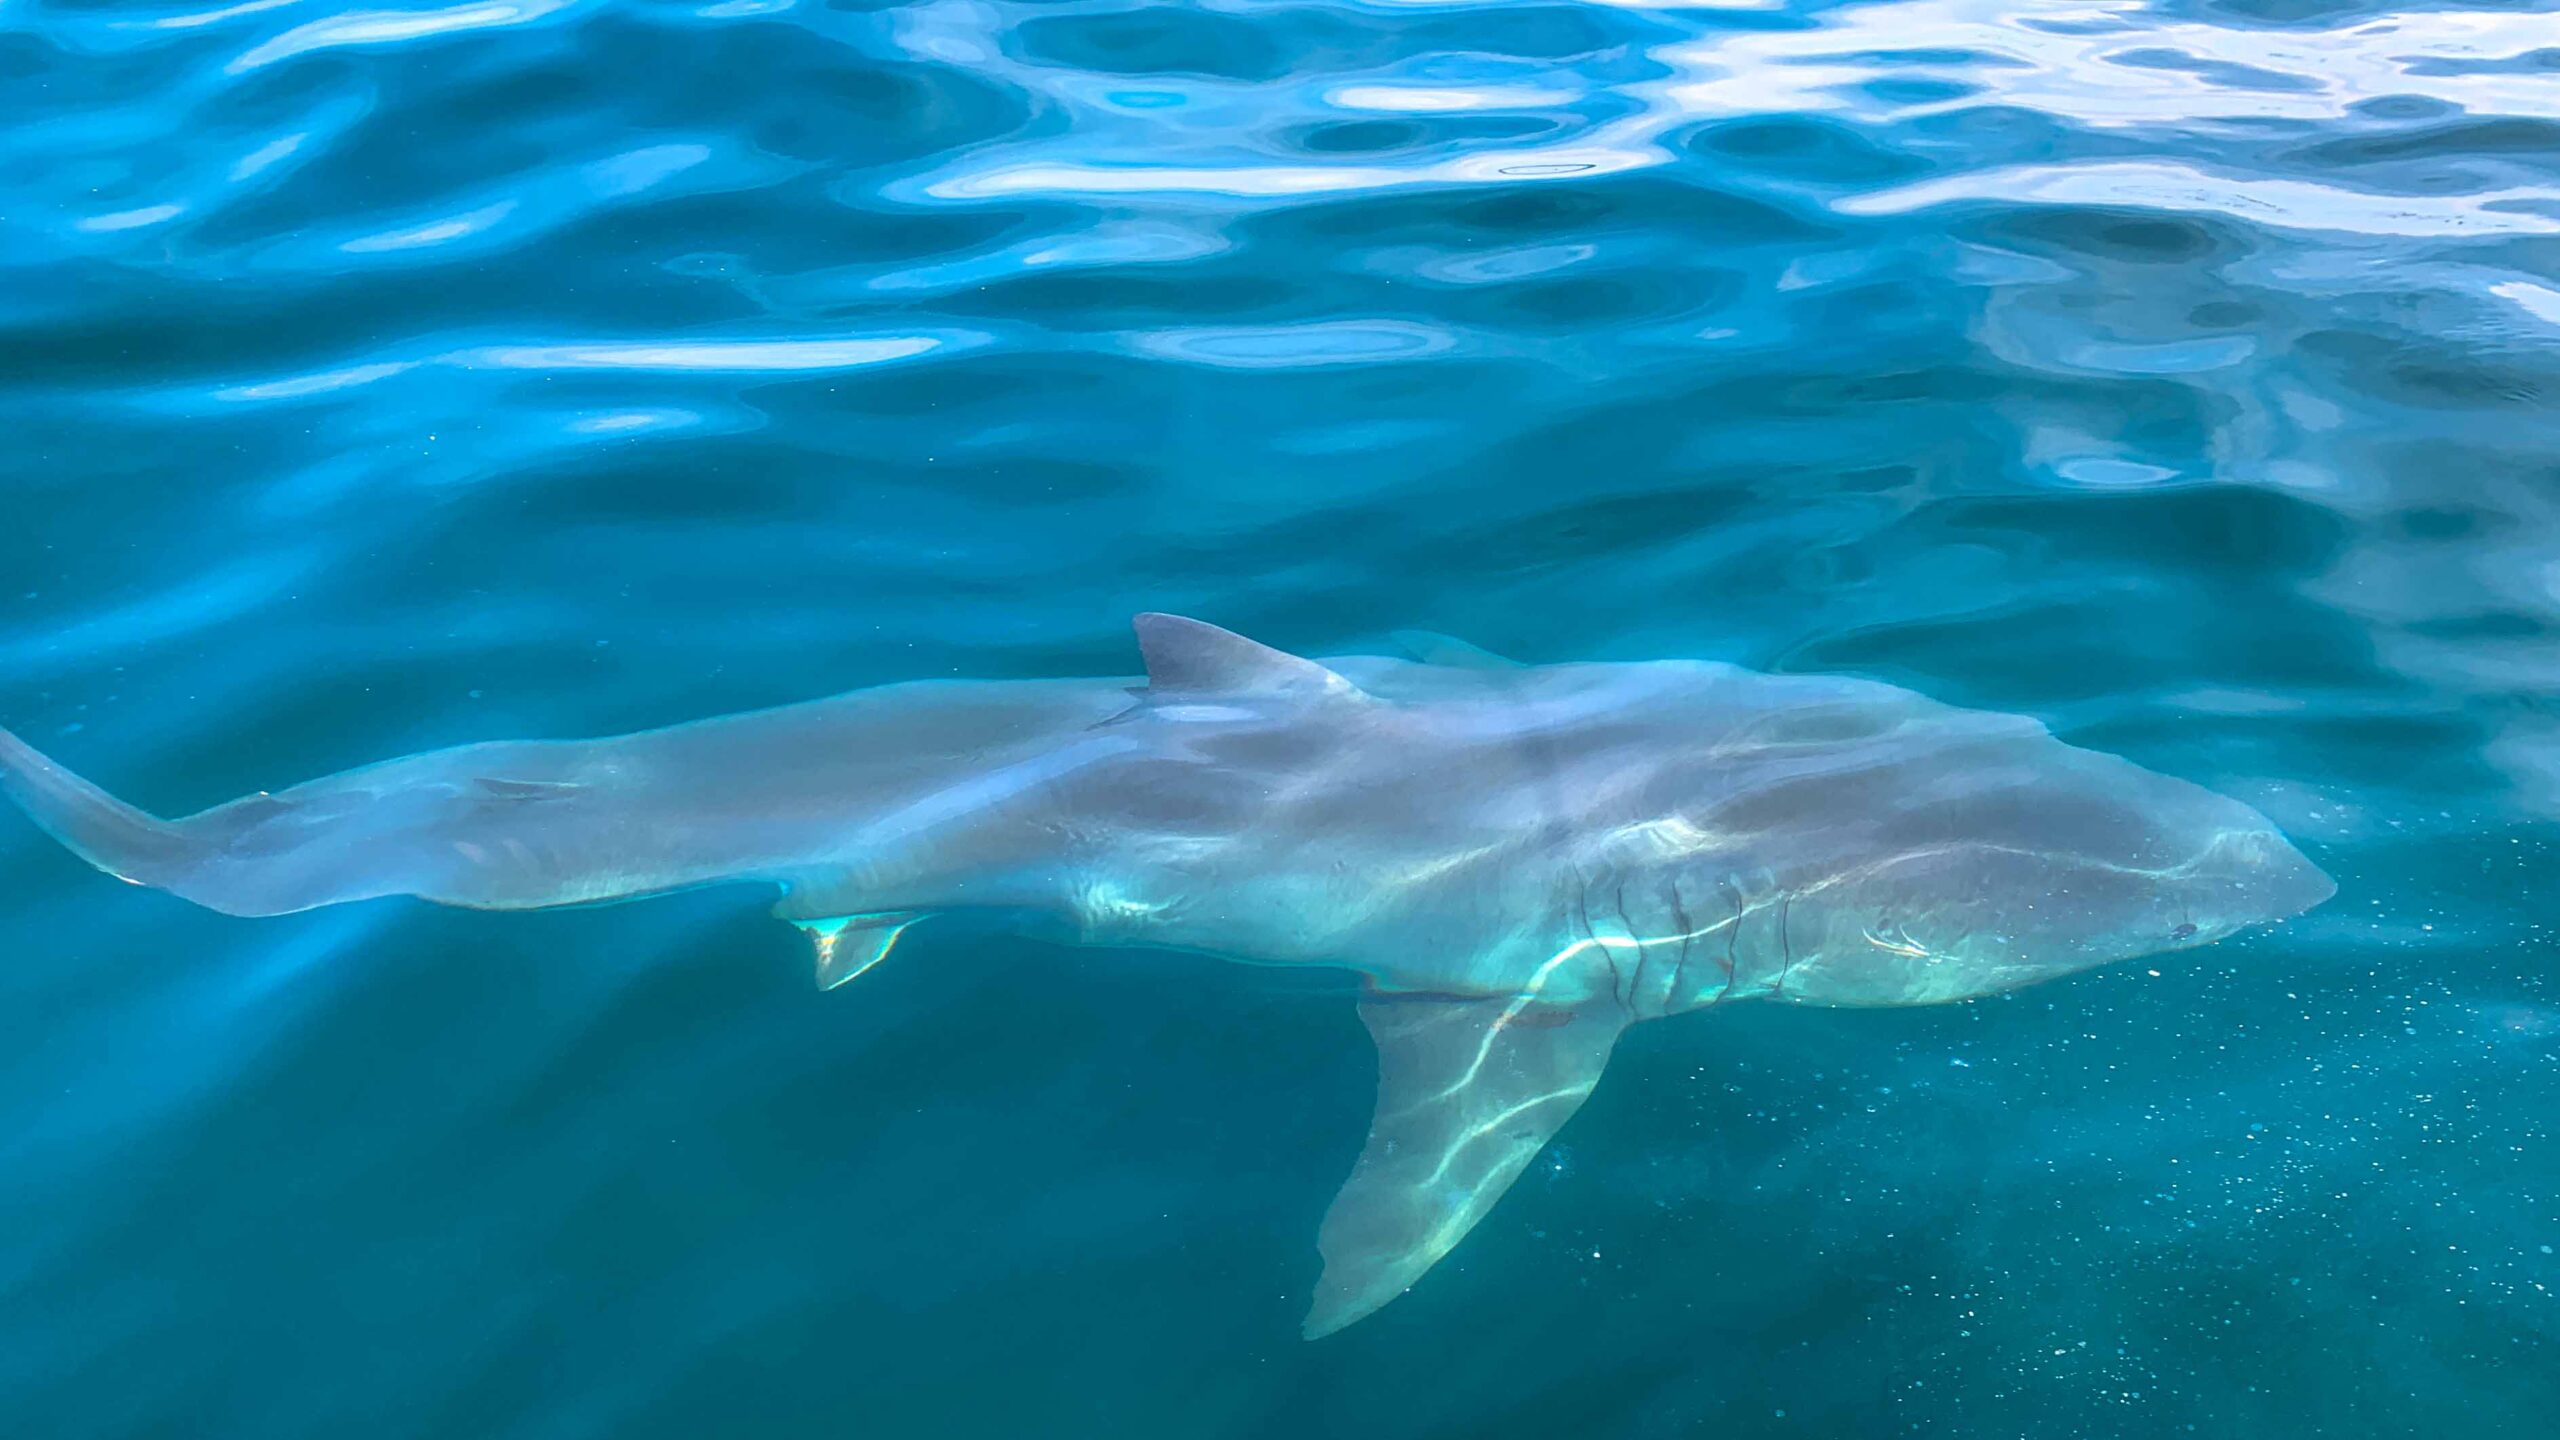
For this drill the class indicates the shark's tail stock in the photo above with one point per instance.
(96, 826)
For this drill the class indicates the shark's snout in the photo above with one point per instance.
(2250, 875)
(2088, 879)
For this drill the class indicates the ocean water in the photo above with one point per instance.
(2185, 375)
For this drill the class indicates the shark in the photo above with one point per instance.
(1518, 861)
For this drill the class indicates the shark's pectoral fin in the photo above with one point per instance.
(1468, 1092)
(850, 944)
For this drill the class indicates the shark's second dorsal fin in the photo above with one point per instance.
(1433, 648)
(1193, 658)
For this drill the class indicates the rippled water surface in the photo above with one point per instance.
(2186, 376)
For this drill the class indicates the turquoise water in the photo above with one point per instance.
(2186, 376)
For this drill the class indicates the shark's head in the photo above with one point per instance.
(1983, 877)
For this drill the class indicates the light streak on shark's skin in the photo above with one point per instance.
(1521, 860)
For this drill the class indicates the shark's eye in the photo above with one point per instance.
(2182, 932)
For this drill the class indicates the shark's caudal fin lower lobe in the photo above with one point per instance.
(91, 823)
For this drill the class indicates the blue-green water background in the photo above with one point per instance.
(2186, 375)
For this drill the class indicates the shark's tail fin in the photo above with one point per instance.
(93, 824)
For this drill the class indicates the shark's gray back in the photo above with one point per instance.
(1458, 834)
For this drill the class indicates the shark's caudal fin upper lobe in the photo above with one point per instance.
(96, 826)
(216, 859)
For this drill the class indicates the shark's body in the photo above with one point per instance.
(1521, 861)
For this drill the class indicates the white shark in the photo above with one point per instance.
(1521, 861)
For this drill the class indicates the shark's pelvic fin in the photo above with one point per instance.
(1433, 648)
(850, 944)
(1190, 658)
(1468, 1093)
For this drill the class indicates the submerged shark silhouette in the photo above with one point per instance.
(1521, 860)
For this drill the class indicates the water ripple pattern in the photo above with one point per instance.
(2182, 373)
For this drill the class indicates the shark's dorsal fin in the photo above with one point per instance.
(1432, 648)
(850, 944)
(1468, 1092)
(1193, 658)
